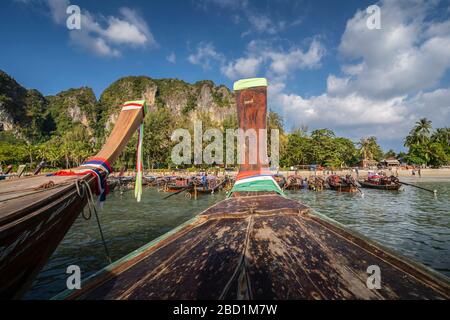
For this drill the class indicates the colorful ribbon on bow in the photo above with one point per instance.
(131, 105)
(93, 166)
(138, 184)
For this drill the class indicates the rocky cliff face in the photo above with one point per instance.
(180, 98)
(26, 112)
(12, 106)
(73, 107)
(22, 111)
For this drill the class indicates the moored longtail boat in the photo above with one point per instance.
(294, 182)
(257, 244)
(36, 212)
(208, 184)
(280, 180)
(316, 183)
(342, 184)
(381, 183)
(177, 184)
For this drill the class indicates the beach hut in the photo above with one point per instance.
(390, 162)
(366, 163)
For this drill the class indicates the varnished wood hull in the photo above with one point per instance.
(174, 189)
(343, 188)
(36, 212)
(28, 240)
(261, 247)
(392, 187)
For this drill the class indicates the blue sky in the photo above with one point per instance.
(325, 67)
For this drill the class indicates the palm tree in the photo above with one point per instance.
(420, 134)
(369, 149)
(30, 150)
(365, 149)
(441, 135)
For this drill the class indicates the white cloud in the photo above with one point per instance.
(279, 63)
(120, 31)
(225, 4)
(356, 116)
(105, 36)
(259, 21)
(389, 78)
(242, 68)
(172, 58)
(351, 110)
(434, 104)
(284, 62)
(262, 23)
(336, 85)
(129, 29)
(408, 54)
(205, 55)
(58, 10)
(95, 45)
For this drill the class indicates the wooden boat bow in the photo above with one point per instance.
(257, 244)
(36, 212)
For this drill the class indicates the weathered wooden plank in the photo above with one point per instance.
(254, 204)
(264, 254)
(198, 264)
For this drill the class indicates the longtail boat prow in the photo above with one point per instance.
(257, 244)
(36, 212)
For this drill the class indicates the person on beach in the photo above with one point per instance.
(420, 173)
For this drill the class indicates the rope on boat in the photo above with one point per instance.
(82, 185)
(413, 185)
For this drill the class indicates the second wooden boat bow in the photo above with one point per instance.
(257, 244)
(36, 212)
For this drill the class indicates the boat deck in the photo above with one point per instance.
(34, 191)
(260, 247)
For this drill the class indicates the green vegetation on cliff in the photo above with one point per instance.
(23, 111)
(67, 128)
(73, 107)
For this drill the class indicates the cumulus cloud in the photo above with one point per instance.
(172, 58)
(58, 10)
(296, 59)
(258, 21)
(96, 45)
(205, 55)
(279, 62)
(389, 77)
(356, 116)
(406, 55)
(242, 68)
(105, 36)
(227, 4)
(130, 29)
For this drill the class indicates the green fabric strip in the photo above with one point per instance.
(249, 83)
(253, 186)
